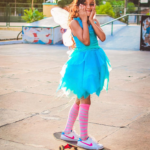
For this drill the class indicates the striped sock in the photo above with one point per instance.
(83, 119)
(71, 118)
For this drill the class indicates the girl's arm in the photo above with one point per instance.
(98, 30)
(82, 34)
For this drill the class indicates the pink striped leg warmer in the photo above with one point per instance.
(72, 118)
(83, 120)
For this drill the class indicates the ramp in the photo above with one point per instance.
(124, 37)
(45, 31)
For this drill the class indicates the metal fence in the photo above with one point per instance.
(10, 13)
(13, 14)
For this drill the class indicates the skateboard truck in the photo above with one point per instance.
(68, 146)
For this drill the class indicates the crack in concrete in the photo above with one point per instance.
(138, 118)
(32, 145)
(144, 77)
(58, 106)
(19, 120)
(108, 135)
(7, 93)
(35, 93)
(124, 90)
(102, 124)
(108, 125)
(122, 126)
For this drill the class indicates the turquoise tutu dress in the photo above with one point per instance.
(87, 69)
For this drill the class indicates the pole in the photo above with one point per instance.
(15, 7)
(32, 5)
(138, 11)
(112, 29)
(125, 7)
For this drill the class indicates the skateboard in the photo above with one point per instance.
(70, 144)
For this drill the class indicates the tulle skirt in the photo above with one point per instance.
(86, 72)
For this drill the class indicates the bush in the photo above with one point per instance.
(118, 7)
(64, 3)
(148, 14)
(130, 7)
(31, 16)
(105, 9)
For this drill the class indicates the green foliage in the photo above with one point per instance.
(99, 2)
(63, 3)
(118, 7)
(105, 9)
(118, 11)
(130, 7)
(31, 16)
(116, 2)
(148, 14)
(54, 1)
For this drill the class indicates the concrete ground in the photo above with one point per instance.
(31, 110)
(8, 34)
(18, 24)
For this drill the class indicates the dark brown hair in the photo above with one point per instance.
(74, 9)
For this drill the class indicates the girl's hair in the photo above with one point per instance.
(73, 12)
(74, 9)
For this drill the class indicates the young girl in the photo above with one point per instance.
(86, 71)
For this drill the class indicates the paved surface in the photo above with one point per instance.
(11, 32)
(8, 34)
(11, 42)
(30, 110)
(19, 24)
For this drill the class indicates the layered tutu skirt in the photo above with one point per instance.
(86, 72)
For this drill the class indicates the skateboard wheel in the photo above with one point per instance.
(61, 147)
(75, 148)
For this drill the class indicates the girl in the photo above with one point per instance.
(87, 70)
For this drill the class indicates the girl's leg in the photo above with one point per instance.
(83, 117)
(77, 101)
(72, 116)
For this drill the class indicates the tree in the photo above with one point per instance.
(105, 9)
(130, 7)
(32, 5)
(63, 3)
(32, 15)
(118, 7)
(99, 2)
(116, 2)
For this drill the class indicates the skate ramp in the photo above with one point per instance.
(124, 37)
(45, 31)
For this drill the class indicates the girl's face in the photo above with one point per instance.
(89, 5)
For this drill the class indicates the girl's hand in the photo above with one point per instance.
(82, 13)
(92, 13)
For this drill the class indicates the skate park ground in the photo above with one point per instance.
(31, 110)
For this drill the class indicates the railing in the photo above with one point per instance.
(126, 21)
(12, 15)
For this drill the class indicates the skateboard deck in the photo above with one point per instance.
(57, 136)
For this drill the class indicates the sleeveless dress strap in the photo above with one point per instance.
(80, 23)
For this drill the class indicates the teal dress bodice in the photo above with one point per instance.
(93, 38)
